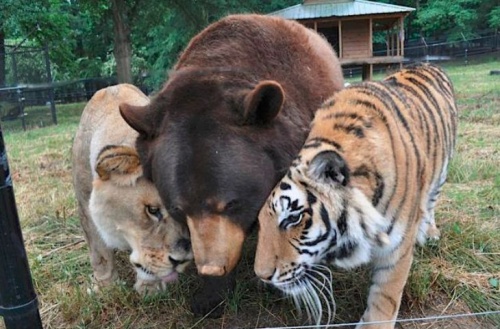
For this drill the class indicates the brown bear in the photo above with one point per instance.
(225, 127)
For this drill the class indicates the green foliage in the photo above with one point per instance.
(494, 18)
(80, 32)
(454, 17)
(139, 66)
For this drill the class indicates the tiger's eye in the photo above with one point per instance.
(294, 219)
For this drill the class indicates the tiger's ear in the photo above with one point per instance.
(264, 102)
(140, 118)
(119, 164)
(329, 167)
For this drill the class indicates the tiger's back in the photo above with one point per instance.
(433, 110)
(416, 117)
(363, 188)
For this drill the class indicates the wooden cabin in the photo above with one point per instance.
(349, 25)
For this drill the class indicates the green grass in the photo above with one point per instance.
(459, 273)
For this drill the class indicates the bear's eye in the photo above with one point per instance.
(154, 211)
(231, 205)
(177, 213)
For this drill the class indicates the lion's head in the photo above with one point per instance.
(129, 215)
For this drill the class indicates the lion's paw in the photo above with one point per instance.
(145, 287)
(96, 283)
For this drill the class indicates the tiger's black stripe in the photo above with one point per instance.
(316, 142)
(388, 105)
(373, 107)
(350, 129)
(430, 112)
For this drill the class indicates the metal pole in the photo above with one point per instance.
(20, 102)
(18, 301)
(51, 89)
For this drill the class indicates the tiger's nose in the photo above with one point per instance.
(137, 265)
(265, 274)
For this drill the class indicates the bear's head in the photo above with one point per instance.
(215, 142)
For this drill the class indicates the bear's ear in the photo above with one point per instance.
(329, 167)
(264, 102)
(140, 118)
(119, 164)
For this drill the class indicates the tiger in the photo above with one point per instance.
(362, 190)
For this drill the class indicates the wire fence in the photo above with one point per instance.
(29, 94)
(435, 318)
(437, 50)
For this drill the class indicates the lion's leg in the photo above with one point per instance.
(388, 280)
(101, 257)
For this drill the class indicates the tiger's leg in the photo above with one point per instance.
(428, 229)
(389, 277)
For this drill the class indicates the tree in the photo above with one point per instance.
(122, 46)
(494, 18)
(182, 19)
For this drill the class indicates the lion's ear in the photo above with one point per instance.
(120, 164)
(140, 118)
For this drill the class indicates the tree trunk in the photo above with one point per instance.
(2, 59)
(123, 48)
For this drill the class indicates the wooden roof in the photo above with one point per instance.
(339, 8)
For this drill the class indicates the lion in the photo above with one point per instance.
(118, 207)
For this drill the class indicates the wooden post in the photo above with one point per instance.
(340, 40)
(402, 35)
(370, 39)
(367, 73)
(401, 40)
(387, 43)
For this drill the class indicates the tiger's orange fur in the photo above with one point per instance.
(362, 190)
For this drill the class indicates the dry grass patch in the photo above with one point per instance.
(458, 274)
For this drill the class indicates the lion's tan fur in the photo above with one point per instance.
(113, 195)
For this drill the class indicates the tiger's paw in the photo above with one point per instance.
(433, 233)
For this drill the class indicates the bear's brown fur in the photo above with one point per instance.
(227, 123)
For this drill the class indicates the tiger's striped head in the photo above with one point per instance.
(315, 216)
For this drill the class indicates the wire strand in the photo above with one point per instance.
(430, 318)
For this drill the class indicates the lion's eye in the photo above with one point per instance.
(154, 211)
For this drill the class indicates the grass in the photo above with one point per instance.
(458, 274)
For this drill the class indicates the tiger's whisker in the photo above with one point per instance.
(316, 283)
